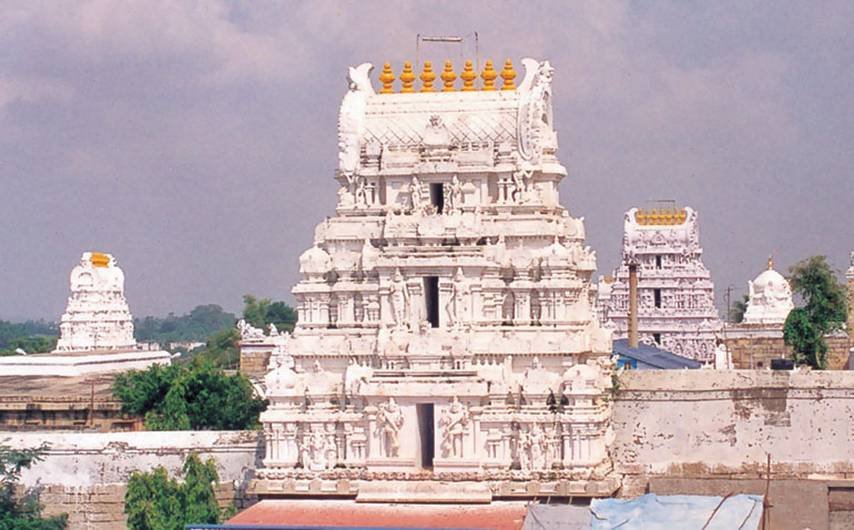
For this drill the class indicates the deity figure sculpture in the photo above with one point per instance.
(453, 195)
(521, 185)
(389, 421)
(537, 446)
(454, 421)
(399, 297)
(361, 193)
(416, 195)
(457, 306)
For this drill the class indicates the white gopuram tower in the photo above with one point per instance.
(676, 296)
(97, 316)
(445, 325)
(96, 330)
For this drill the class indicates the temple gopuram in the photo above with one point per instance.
(676, 296)
(447, 349)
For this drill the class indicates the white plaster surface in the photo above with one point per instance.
(77, 365)
(705, 422)
(451, 280)
(88, 459)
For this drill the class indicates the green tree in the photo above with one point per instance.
(32, 336)
(255, 310)
(197, 325)
(24, 513)
(823, 310)
(262, 312)
(197, 395)
(736, 313)
(154, 501)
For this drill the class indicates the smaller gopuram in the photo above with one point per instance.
(96, 330)
(97, 316)
(676, 296)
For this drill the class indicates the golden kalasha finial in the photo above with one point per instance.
(386, 78)
(427, 77)
(468, 76)
(770, 263)
(407, 78)
(488, 75)
(448, 77)
(508, 75)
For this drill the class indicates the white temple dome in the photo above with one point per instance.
(315, 261)
(770, 280)
(769, 298)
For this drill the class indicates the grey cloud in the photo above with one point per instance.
(196, 141)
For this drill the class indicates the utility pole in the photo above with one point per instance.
(728, 298)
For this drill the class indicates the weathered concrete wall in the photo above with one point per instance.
(710, 431)
(753, 347)
(85, 474)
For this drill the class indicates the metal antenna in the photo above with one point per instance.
(446, 39)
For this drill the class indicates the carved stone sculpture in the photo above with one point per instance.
(399, 298)
(454, 423)
(390, 421)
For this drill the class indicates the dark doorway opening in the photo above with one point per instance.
(656, 293)
(437, 196)
(431, 298)
(426, 434)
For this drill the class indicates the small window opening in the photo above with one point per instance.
(656, 293)
(658, 262)
(437, 196)
(657, 338)
(431, 298)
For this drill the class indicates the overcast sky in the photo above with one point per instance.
(196, 141)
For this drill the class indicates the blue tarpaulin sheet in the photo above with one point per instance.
(687, 512)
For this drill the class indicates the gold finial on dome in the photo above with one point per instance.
(488, 75)
(508, 75)
(407, 78)
(770, 262)
(448, 77)
(468, 76)
(427, 77)
(99, 259)
(386, 78)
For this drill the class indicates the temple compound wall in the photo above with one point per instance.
(711, 431)
(85, 474)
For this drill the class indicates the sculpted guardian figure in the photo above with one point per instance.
(453, 196)
(454, 421)
(399, 297)
(416, 195)
(457, 307)
(389, 422)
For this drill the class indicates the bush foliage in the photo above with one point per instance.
(155, 501)
(192, 396)
(21, 513)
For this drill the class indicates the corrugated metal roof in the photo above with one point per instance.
(653, 356)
